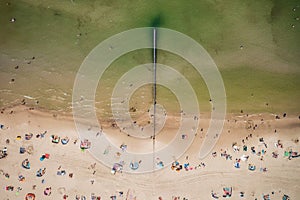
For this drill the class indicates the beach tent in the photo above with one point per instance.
(285, 197)
(30, 196)
(251, 167)
(227, 192)
(65, 140)
(26, 164)
(134, 165)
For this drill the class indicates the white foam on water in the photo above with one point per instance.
(28, 97)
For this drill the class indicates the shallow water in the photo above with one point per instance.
(49, 41)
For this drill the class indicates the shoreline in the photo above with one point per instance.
(64, 115)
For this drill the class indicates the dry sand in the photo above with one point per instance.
(282, 176)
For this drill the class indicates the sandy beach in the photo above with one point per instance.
(73, 173)
(114, 100)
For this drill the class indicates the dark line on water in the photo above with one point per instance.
(154, 39)
(154, 91)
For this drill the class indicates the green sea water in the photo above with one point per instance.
(41, 52)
